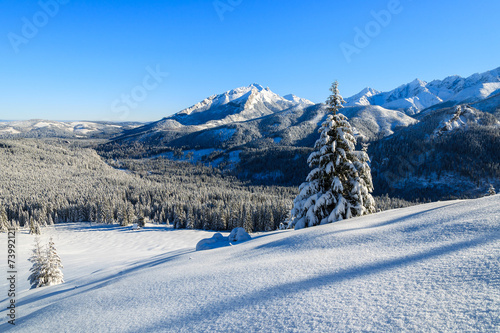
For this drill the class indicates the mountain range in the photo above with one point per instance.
(418, 95)
(263, 136)
(256, 113)
(246, 114)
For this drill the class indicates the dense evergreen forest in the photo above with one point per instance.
(52, 181)
(424, 161)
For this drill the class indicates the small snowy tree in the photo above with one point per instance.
(491, 190)
(54, 274)
(34, 227)
(340, 184)
(46, 269)
(365, 174)
(38, 259)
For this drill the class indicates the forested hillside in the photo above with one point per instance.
(47, 183)
(451, 153)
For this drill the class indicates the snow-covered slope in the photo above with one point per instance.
(372, 122)
(418, 95)
(362, 98)
(491, 105)
(432, 267)
(296, 127)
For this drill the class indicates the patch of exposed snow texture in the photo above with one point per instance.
(432, 266)
(9, 130)
(229, 159)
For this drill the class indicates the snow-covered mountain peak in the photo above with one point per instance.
(369, 91)
(257, 86)
(406, 90)
(417, 83)
(361, 98)
(489, 76)
(298, 100)
(236, 105)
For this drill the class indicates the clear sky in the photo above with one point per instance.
(144, 60)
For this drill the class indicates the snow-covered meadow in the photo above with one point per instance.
(432, 267)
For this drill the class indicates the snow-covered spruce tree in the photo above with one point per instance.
(46, 269)
(365, 174)
(491, 190)
(34, 227)
(54, 274)
(38, 270)
(340, 184)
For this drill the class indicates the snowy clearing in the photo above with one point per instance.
(433, 267)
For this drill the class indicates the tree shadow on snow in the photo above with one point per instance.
(290, 243)
(218, 308)
(100, 283)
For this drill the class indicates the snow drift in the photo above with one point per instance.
(237, 235)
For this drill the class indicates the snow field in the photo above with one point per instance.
(425, 268)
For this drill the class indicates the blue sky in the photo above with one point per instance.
(81, 59)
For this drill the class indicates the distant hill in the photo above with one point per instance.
(38, 128)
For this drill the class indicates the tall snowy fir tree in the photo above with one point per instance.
(340, 183)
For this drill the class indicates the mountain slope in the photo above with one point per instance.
(433, 266)
(372, 122)
(451, 152)
(490, 105)
(234, 106)
(295, 127)
(418, 95)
